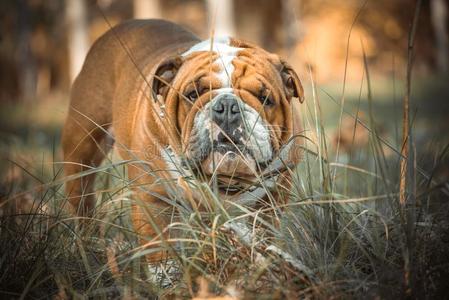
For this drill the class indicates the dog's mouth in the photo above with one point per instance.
(231, 160)
(229, 166)
(232, 165)
(233, 148)
(226, 156)
(230, 147)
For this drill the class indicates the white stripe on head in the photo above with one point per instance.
(227, 53)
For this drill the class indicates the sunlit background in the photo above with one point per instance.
(43, 44)
(360, 222)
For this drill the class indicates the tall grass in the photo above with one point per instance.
(343, 231)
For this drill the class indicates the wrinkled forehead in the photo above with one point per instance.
(225, 51)
(222, 45)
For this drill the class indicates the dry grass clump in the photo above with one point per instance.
(342, 233)
(352, 229)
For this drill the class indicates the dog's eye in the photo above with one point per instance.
(289, 82)
(265, 99)
(192, 96)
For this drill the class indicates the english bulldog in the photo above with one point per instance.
(221, 110)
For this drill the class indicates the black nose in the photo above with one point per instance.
(226, 111)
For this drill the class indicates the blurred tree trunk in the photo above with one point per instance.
(438, 12)
(26, 62)
(76, 17)
(221, 17)
(147, 9)
(291, 23)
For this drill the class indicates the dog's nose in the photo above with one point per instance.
(225, 110)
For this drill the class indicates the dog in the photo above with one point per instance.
(223, 108)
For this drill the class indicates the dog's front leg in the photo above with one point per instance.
(151, 215)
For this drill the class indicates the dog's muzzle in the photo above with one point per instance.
(227, 115)
(229, 136)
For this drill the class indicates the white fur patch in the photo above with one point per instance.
(226, 54)
(173, 164)
(259, 141)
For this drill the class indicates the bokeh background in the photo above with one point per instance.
(43, 44)
(386, 247)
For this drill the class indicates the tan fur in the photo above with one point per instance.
(114, 89)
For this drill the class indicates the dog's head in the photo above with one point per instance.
(230, 103)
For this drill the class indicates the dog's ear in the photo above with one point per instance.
(291, 82)
(164, 75)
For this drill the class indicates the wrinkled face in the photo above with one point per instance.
(230, 106)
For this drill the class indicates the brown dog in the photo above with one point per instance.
(179, 106)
